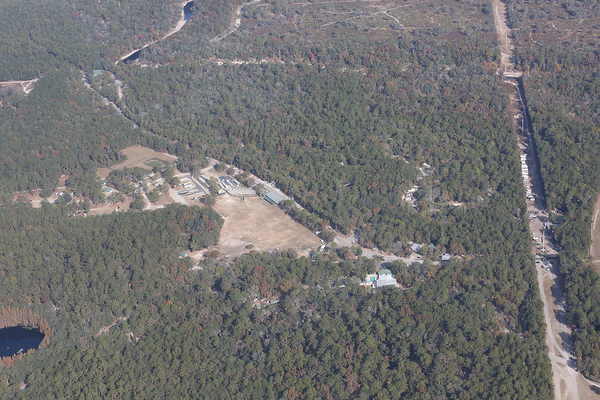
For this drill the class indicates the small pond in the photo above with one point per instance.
(133, 57)
(187, 11)
(17, 339)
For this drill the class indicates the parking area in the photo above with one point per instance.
(192, 189)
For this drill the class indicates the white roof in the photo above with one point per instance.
(386, 280)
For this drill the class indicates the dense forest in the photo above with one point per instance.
(562, 88)
(59, 128)
(344, 118)
(179, 332)
(82, 34)
(346, 144)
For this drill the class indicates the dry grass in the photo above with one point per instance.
(370, 18)
(265, 226)
(137, 156)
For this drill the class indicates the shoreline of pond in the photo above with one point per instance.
(185, 7)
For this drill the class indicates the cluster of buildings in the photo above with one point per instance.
(259, 303)
(187, 183)
(409, 195)
(525, 172)
(227, 181)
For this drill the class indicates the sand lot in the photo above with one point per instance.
(265, 226)
(137, 156)
(595, 228)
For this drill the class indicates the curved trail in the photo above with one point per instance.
(27, 86)
(173, 30)
(106, 101)
(236, 21)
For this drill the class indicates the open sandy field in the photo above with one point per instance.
(107, 208)
(34, 196)
(595, 247)
(265, 226)
(137, 156)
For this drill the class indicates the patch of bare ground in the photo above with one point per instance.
(265, 226)
(137, 156)
(32, 197)
(164, 199)
(105, 329)
(595, 228)
(18, 86)
(107, 208)
(587, 390)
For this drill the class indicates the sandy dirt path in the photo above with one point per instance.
(504, 35)
(566, 378)
(26, 86)
(236, 21)
(595, 230)
(180, 24)
(558, 335)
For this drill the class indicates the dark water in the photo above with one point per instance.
(187, 11)
(133, 57)
(15, 338)
(187, 14)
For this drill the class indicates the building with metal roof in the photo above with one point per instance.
(273, 198)
(386, 278)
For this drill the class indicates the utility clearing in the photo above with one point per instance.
(568, 382)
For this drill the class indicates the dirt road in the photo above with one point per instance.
(558, 335)
(236, 21)
(173, 31)
(567, 381)
(504, 35)
(26, 86)
(595, 246)
(351, 241)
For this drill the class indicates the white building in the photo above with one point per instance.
(386, 279)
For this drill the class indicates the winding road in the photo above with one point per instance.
(173, 30)
(236, 21)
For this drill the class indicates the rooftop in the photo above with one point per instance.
(274, 198)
